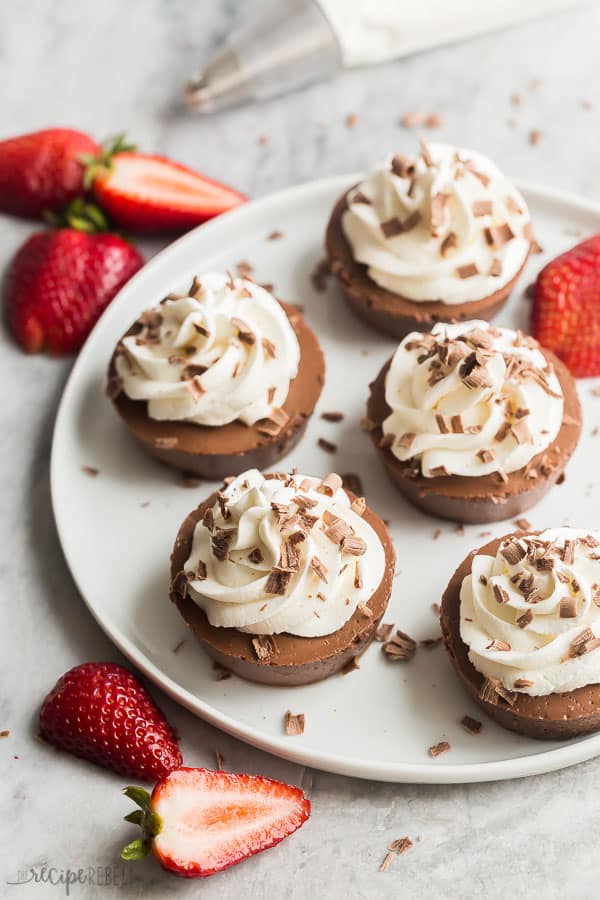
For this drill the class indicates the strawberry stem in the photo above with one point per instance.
(149, 821)
(80, 215)
(98, 166)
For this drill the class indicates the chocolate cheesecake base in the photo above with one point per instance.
(296, 660)
(217, 452)
(551, 717)
(391, 313)
(484, 498)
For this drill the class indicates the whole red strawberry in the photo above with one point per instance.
(43, 170)
(59, 282)
(101, 712)
(566, 308)
(197, 822)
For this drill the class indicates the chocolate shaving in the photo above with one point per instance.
(449, 243)
(513, 551)
(165, 443)
(319, 568)
(264, 647)
(91, 471)
(330, 484)
(439, 748)
(456, 424)
(406, 441)
(568, 608)
(441, 424)
(525, 619)
(269, 347)
(358, 505)
(180, 584)
(351, 482)
(358, 579)
(439, 472)
(384, 631)
(294, 723)
(277, 582)
(400, 845)
(326, 445)
(290, 559)
(579, 644)
(486, 456)
(402, 166)
(492, 690)
(500, 595)
(498, 235)
(274, 423)
(568, 552)
(401, 647)
(332, 416)
(353, 545)
(426, 154)
(220, 542)
(364, 610)
(502, 432)
(336, 529)
(498, 645)
(482, 208)
(523, 524)
(438, 209)
(495, 268)
(473, 726)
(467, 271)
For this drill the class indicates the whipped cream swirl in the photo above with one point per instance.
(446, 225)
(530, 616)
(471, 399)
(284, 554)
(223, 352)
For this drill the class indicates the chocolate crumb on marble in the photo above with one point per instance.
(294, 723)
(473, 726)
(439, 748)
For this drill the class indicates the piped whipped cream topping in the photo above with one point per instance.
(224, 351)
(287, 553)
(530, 615)
(446, 225)
(471, 399)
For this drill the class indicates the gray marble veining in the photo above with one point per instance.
(110, 66)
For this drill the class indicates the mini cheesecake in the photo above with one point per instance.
(282, 578)
(521, 625)
(442, 236)
(217, 380)
(473, 423)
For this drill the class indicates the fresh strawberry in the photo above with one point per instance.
(42, 171)
(566, 308)
(198, 822)
(146, 193)
(101, 712)
(59, 282)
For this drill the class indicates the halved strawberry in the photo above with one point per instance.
(565, 316)
(147, 193)
(198, 822)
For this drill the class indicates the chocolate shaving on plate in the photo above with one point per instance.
(332, 416)
(91, 471)
(351, 482)
(384, 631)
(294, 723)
(473, 726)
(326, 445)
(439, 748)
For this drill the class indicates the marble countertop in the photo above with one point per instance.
(111, 66)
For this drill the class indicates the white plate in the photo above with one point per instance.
(376, 722)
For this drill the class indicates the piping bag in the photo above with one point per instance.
(291, 43)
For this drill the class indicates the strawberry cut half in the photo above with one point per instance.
(198, 822)
(147, 193)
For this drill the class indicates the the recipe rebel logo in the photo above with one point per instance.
(69, 878)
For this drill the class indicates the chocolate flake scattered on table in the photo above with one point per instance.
(294, 723)
(523, 524)
(387, 861)
(4, 733)
(351, 120)
(178, 646)
(473, 726)
(431, 643)
(264, 646)
(90, 470)
(326, 445)
(412, 119)
(400, 647)
(534, 136)
(439, 748)
(332, 416)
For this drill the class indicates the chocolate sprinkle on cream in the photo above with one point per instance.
(274, 423)
(492, 690)
(449, 243)
(496, 268)
(353, 545)
(467, 271)
(568, 608)
(277, 582)
(525, 619)
(406, 441)
(500, 594)
(294, 723)
(319, 568)
(482, 208)
(498, 235)
(498, 645)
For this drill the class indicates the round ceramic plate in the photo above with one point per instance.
(117, 529)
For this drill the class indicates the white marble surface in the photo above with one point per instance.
(112, 65)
